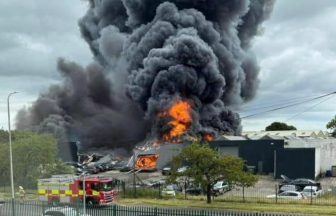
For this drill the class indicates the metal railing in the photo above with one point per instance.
(35, 208)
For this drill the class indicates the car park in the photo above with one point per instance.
(294, 195)
(154, 184)
(301, 183)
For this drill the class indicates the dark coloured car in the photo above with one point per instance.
(194, 191)
(300, 183)
(166, 171)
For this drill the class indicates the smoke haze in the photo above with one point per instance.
(148, 55)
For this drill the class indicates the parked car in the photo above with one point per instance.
(194, 191)
(169, 191)
(62, 211)
(301, 183)
(288, 187)
(295, 195)
(311, 191)
(155, 184)
(182, 169)
(166, 171)
(220, 187)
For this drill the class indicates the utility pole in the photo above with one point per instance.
(11, 153)
(84, 193)
(134, 182)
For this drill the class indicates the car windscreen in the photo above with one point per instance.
(218, 184)
(106, 186)
(170, 187)
(308, 190)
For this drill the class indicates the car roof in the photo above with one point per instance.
(60, 209)
(310, 187)
(292, 192)
(304, 179)
(288, 185)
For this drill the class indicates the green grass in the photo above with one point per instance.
(31, 194)
(236, 206)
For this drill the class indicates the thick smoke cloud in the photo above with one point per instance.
(148, 54)
(85, 106)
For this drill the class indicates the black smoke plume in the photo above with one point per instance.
(149, 54)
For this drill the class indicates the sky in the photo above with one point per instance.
(296, 49)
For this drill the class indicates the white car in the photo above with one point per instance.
(220, 187)
(311, 191)
(169, 191)
(62, 211)
(181, 170)
(295, 195)
(288, 187)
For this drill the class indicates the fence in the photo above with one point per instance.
(33, 208)
(260, 193)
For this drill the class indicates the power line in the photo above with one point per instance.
(287, 106)
(280, 103)
(310, 108)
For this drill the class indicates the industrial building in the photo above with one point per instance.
(296, 154)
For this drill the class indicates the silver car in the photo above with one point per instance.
(62, 211)
(294, 195)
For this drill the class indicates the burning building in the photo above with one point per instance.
(163, 70)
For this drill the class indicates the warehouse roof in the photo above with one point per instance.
(295, 133)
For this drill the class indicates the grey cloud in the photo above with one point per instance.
(297, 58)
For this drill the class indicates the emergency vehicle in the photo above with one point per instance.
(69, 189)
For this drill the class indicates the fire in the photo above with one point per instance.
(146, 162)
(181, 121)
(208, 137)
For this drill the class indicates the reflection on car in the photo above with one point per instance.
(288, 187)
(295, 195)
(220, 187)
(62, 211)
(311, 191)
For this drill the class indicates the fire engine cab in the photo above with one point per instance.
(69, 189)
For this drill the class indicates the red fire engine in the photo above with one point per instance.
(69, 189)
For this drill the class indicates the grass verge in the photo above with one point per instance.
(234, 206)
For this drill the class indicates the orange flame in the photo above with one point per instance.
(146, 162)
(181, 121)
(208, 137)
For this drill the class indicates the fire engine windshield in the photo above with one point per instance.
(106, 186)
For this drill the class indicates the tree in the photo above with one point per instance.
(206, 166)
(332, 126)
(34, 157)
(279, 126)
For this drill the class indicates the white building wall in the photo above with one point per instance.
(317, 161)
(327, 149)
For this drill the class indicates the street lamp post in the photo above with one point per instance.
(11, 153)
(84, 193)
